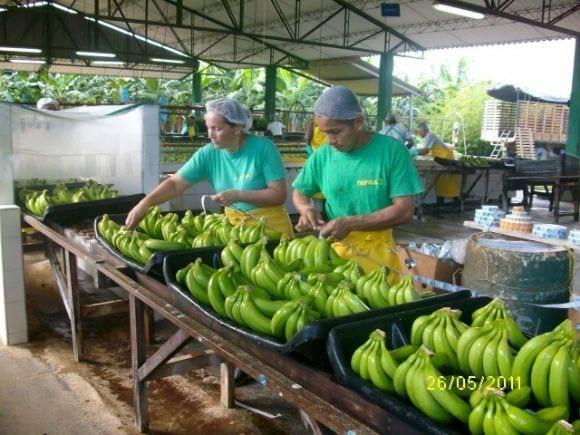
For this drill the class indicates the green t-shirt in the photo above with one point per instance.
(362, 181)
(252, 167)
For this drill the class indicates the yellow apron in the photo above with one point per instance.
(375, 248)
(276, 218)
(447, 186)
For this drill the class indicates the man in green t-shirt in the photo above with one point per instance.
(369, 182)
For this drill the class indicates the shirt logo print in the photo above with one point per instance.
(370, 182)
(244, 177)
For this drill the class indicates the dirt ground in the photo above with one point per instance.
(178, 405)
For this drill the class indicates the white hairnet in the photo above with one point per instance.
(338, 102)
(46, 101)
(232, 111)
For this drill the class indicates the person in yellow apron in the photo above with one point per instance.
(246, 171)
(446, 186)
(368, 180)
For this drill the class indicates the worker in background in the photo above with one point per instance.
(246, 171)
(313, 136)
(47, 103)
(393, 128)
(276, 128)
(368, 179)
(447, 185)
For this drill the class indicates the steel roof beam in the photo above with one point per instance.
(257, 38)
(564, 14)
(230, 13)
(498, 13)
(378, 23)
(183, 46)
(283, 18)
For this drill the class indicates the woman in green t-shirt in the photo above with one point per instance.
(246, 171)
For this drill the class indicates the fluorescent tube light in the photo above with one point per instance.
(21, 50)
(64, 8)
(107, 62)
(157, 59)
(36, 61)
(456, 10)
(95, 54)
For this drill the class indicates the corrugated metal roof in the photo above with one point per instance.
(276, 32)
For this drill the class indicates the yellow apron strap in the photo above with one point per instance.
(376, 248)
(276, 218)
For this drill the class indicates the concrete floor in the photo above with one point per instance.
(44, 391)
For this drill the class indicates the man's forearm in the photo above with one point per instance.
(388, 217)
(301, 203)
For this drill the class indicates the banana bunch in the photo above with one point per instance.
(251, 256)
(321, 288)
(439, 331)
(403, 292)
(373, 362)
(561, 427)
(332, 279)
(494, 414)
(232, 254)
(61, 194)
(550, 364)
(93, 191)
(373, 288)
(205, 239)
(487, 350)
(132, 244)
(222, 283)
(412, 379)
(292, 286)
(316, 255)
(37, 202)
(343, 302)
(351, 270)
(196, 276)
(496, 309)
(248, 230)
(268, 275)
(292, 317)
(107, 228)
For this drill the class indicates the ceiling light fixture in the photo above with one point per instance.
(35, 61)
(157, 59)
(95, 54)
(64, 8)
(457, 10)
(107, 62)
(21, 50)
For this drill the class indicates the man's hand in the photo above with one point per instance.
(337, 229)
(227, 197)
(310, 220)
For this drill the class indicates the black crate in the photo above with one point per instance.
(311, 339)
(154, 266)
(343, 340)
(77, 212)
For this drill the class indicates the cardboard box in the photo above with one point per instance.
(445, 270)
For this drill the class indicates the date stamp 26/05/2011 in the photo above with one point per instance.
(472, 382)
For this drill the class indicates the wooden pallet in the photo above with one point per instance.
(525, 147)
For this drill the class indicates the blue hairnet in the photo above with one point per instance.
(338, 102)
(232, 111)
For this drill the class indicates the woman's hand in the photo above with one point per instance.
(227, 197)
(135, 215)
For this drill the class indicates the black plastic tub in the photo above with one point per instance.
(344, 339)
(154, 266)
(311, 339)
(76, 212)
